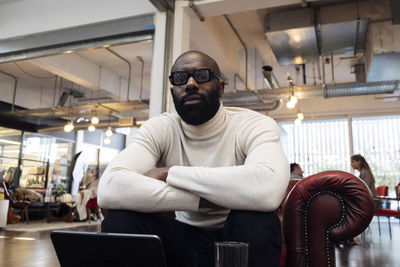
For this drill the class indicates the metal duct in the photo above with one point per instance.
(333, 90)
(353, 89)
(251, 100)
(330, 30)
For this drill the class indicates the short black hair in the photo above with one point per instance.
(213, 64)
(293, 166)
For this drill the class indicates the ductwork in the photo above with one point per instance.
(333, 90)
(252, 100)
(312, 32)
(365, 28)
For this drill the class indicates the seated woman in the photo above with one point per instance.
(359, 163)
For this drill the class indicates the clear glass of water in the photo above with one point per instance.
(231, 254)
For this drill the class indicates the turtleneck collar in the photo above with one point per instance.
(208, 129)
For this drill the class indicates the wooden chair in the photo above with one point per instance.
(387, 212)
(17, 201)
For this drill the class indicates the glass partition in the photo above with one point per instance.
(45, 160)
(33, 174)
(10, 145)
(59, 162)
(36, 147)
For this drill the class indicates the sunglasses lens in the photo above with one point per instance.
(182, 77)
(202, 76)
(179, 77)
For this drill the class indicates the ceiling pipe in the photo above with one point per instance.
(332, 90)
(269, 77)
(130, 69)
(236, 76)
(196, 11)
(323, 70)
(15, 88)
(313, 72)
(252, 100)
(243, 44)
(140, 59)
(333, 69)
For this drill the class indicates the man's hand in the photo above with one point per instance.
(158, 173)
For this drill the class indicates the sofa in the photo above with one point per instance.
(320, 211)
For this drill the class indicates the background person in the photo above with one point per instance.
(295, 171)
(221, 169)
(359, 163)
(79, 166)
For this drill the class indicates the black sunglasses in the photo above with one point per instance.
(201, 76)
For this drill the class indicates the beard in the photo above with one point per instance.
(198, 113)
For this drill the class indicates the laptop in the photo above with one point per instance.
(76, 249)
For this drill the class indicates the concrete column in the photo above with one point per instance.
(181, 40)
(157, 91)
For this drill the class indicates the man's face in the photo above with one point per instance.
(196, 103)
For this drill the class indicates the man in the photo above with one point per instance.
(295, 171)
(221, 169)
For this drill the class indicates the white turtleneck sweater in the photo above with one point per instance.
(234, 160)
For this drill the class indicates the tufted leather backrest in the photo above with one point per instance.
(321, 210)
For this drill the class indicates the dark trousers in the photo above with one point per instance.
(189, 246)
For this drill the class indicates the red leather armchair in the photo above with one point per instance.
(321, 210)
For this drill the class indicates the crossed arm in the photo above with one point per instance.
(258, 184)
(161, 174)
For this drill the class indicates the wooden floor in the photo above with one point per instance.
(20, 249)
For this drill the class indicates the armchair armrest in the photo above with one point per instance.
(322, 210)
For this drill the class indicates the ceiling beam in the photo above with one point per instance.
(83, 72)
(79, 35)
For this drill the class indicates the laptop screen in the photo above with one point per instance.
(75, 249)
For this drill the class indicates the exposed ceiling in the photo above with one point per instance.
(101, 75)
(84, 80)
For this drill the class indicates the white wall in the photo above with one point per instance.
(20, 18)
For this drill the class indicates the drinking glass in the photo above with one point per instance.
(231, 254)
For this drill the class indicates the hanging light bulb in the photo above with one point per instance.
(107, 140)
(91, 128)
(109, 131)
(293, 99)
(290, 104)
(69, 126)
(297, 122)
(94, 120)
(300, 116)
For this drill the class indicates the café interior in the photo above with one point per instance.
(84, 76)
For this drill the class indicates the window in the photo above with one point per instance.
(325, 145)
(317, 145)
(378, 140)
